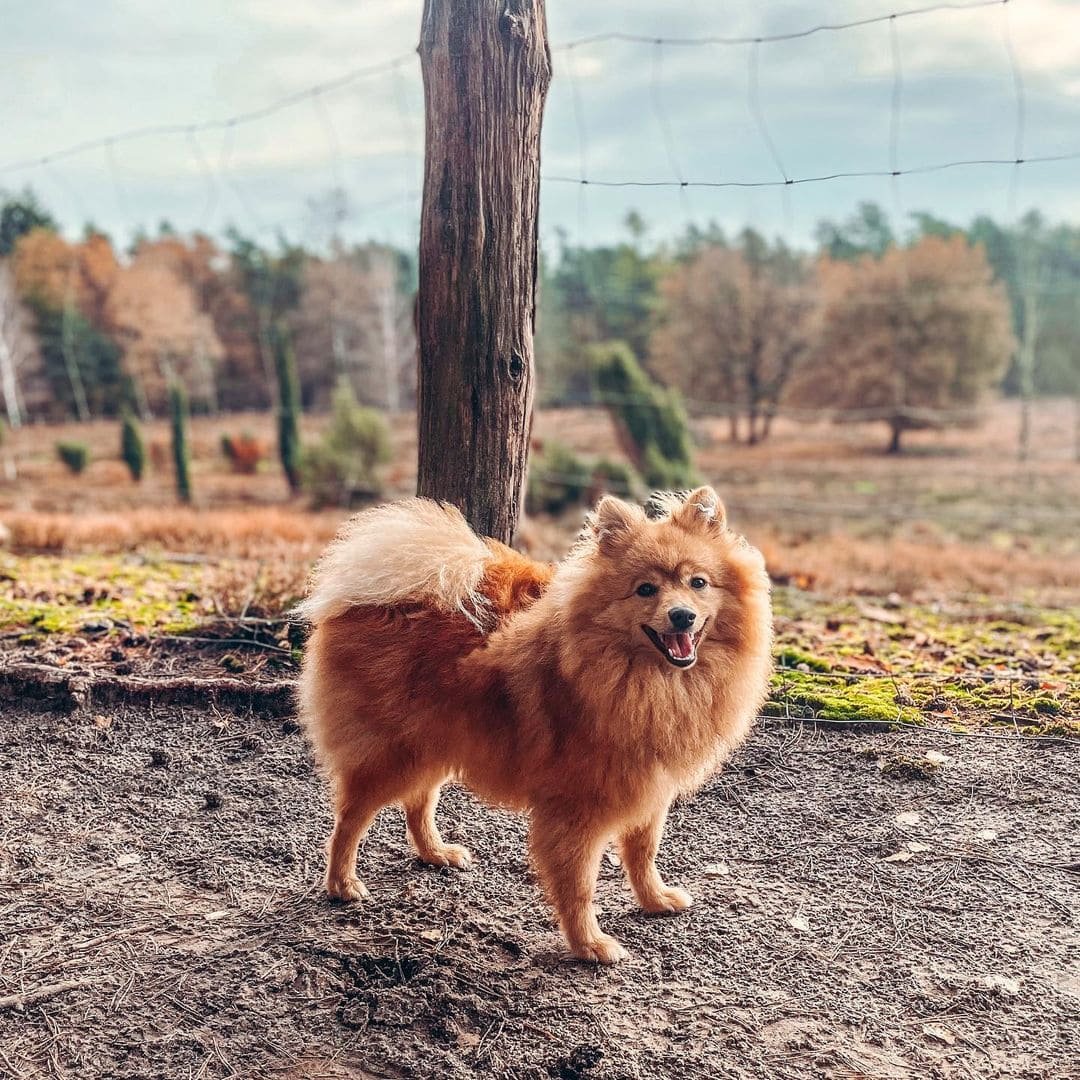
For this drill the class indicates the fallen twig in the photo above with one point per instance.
(54, 688)
(42, 993)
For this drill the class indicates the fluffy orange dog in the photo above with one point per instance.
(590, 694)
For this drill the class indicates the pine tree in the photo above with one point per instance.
(288, 406)
(178, 410)
(132, 449)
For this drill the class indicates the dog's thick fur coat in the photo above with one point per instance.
(574, 692)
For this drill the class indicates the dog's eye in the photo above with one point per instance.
(647, 588)
(698, 583)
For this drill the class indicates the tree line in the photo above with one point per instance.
(87, 330)
(911, 330)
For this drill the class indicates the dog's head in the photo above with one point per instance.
(660, 587)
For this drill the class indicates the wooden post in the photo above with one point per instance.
(486, 68)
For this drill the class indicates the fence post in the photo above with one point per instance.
(486, 67)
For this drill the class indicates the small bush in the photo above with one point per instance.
(650, 420)
(132, 449)
(75, 455)
(614, 478)
(341, 469)
(244, 452)
(558, 478)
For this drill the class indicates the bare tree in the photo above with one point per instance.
(352, 321)
(397, 346)
(17, 346)
(165, 337)
(738, 323)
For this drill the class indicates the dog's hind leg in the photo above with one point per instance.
(424, 834)
(358, 797)
(638, 847)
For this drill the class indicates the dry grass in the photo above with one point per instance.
(922, 570)
(289, 540)
(955, 514)
(252, 533)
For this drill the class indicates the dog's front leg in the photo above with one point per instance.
(639, 846)
(566, 850)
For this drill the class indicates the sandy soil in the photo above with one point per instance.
(160, 916)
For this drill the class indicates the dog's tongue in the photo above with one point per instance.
(681, 646)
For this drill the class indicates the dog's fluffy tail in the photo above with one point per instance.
(414, 551)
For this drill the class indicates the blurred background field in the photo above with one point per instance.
(953, 515)
(938, 587)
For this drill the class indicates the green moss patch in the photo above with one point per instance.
(95, 595)
(846, 701)
(960, 666)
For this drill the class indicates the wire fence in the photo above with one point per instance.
(396, 80)
(784, 180)
(219, 177)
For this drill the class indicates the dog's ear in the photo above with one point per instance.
(613, 521)
(702, 511)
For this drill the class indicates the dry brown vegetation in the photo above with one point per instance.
(957, 514)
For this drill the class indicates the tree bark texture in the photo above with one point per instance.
(486, 68)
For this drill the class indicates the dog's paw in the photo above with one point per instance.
(603, 949)
(668, 901)
(346, 888)
(449, 855)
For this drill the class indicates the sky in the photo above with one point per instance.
(73, 72)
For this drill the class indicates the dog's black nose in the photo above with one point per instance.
(682, 618)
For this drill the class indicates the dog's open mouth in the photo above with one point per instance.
(678, 648)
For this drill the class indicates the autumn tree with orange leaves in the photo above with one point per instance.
(156, 318)
(219, 293)
(66, 286)
(914, 338)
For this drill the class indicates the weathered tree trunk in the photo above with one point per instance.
(486, 69)
(1026, 359)
(894, 439)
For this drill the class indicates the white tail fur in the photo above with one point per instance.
(415, 550)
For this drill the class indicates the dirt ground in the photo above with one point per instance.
(160, 915)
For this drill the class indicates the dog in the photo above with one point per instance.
(589, 694)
